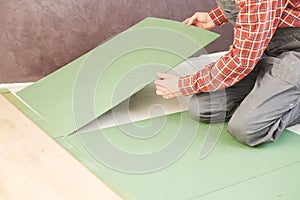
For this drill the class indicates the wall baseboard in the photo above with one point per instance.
(15, 87)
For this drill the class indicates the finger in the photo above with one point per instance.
(199, 25)
(162, 92)
(170, 96)
(162, 89)
(186, 20)
(165, 96)
(191, 21)
(160, 84)
(166, 89)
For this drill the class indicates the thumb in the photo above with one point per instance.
(162, 75)
(190, 21)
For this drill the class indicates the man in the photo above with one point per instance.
(256, 85)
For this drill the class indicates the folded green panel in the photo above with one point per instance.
(147, 167)
(83, 90)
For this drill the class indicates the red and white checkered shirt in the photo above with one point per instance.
(256, 23)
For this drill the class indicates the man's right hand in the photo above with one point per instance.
(201, 20)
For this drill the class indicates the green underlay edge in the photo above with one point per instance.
(4, 90)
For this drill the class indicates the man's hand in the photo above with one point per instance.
(167, 86)
(201, 20)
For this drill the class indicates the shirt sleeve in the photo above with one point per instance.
(217, 16)
(255, 26)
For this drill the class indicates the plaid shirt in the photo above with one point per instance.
(256, 23)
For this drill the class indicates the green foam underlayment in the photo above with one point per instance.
(230, 171)
(78, 93)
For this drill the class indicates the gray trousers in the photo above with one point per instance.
(264, 103)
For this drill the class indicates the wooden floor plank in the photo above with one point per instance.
(13, 184)
(33, 166)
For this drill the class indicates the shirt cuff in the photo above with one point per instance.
(217, 16)
(186, 85)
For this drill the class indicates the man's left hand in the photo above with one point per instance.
(167, 85)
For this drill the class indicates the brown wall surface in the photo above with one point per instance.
(40, 36)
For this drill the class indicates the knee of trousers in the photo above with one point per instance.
(238, 128)
(244, 130)
(202, 109)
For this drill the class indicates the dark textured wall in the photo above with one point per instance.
(39, 36)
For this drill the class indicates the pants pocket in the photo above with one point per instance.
(287, 68)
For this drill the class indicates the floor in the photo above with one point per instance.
(38, 168)
(27, 170)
